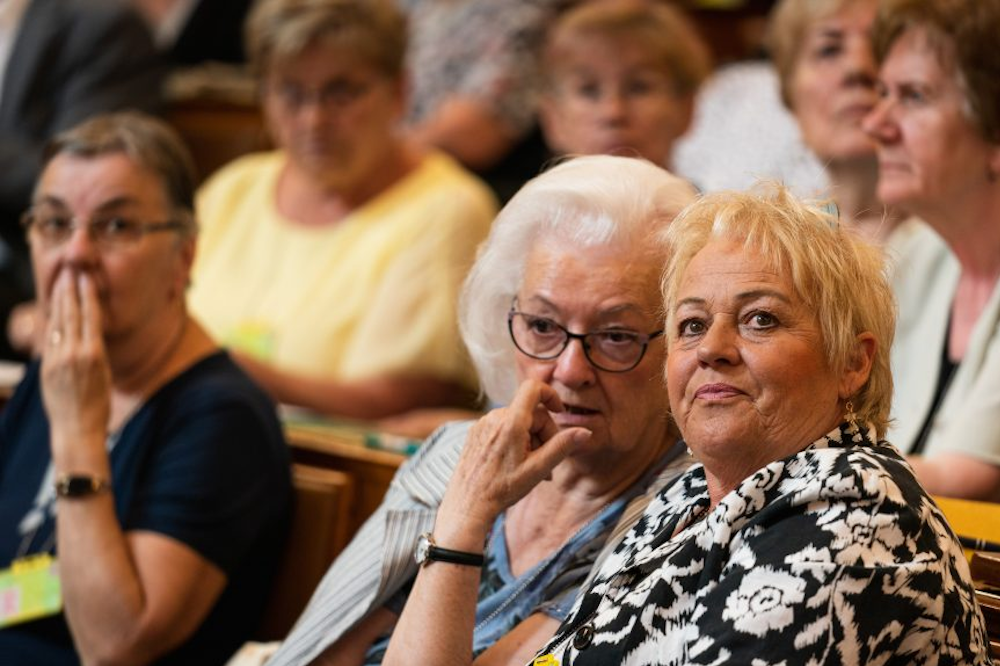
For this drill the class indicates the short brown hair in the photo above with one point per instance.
(147, 141)
(375, 30)
(662, 30)
(964, 35)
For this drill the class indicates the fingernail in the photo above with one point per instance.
(582, 436)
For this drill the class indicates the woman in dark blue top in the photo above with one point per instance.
(134, 452)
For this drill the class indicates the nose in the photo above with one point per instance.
(718, 345)
(613, 106)
(311, 112)
(573, 368)
(879, 124)
(79, 250)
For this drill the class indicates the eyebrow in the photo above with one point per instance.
(742, 297)
(110, 204)
(614, 310)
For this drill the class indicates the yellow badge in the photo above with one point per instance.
(545, 660)
(29, 589)
(254, 338)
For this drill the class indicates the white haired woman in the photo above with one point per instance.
(801, 537)
(560, 316)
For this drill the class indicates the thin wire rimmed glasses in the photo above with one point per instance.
(611, 350)
(109, 231)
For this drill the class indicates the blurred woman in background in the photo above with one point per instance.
(823, 53)
(937, 130)
(332, 266)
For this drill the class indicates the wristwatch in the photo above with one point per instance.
(80, 485)
(427, 551)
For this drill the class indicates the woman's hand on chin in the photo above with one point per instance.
(76, 378)
(507, 453)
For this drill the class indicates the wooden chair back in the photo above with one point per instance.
(217, 131)
(320, 529)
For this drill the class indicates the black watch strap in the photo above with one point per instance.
(428, 551)
(80, 485)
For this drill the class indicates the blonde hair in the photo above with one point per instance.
(789, 23)
(278, 30)
(663, 31)
(840, 277)
(592, 201)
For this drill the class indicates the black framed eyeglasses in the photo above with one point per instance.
(611, 350)
(110, 231)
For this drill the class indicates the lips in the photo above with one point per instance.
(576, 415)
(892, 167)
(717, 392)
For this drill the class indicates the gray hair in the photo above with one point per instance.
(147, 141)
(839, 276)
(598, 200)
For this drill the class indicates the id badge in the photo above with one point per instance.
(29, 589)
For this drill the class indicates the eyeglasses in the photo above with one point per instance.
(52, 228)
(334, 96)
(611, 350)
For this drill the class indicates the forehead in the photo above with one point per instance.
(591, 280)
(84, 184)
(917, 55)
(725, 268)
(859, 13)
(600, 54)
(322, 61)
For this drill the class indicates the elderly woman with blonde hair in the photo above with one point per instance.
(800, 536)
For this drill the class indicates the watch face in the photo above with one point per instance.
(423, 549)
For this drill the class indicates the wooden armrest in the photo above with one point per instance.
(985, 569)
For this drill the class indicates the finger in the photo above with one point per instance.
(90, 309)
(531, 393)
(55, 323)
(544, 427)
(71, 307)
(543, 460)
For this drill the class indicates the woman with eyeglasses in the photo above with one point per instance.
(560, 314)
(144, 479)
(331, 266)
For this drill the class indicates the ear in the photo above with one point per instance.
(994, 163)
(185, 260)
(859, 366)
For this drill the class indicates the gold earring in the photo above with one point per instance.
(850, 416)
